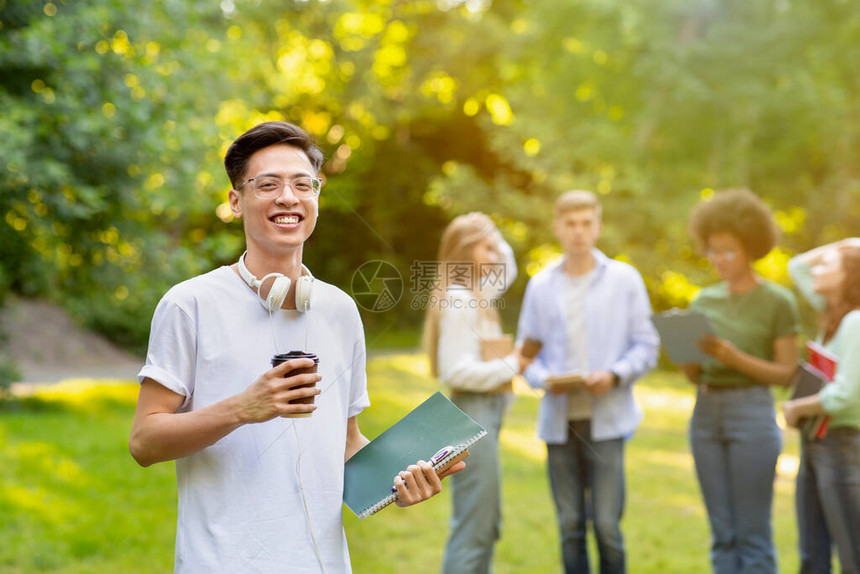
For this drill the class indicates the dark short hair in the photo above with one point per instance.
(262, 136)
(739, 212)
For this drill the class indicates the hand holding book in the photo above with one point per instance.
(565, 382)
(804, 409)
(426, 430)
(422, 480)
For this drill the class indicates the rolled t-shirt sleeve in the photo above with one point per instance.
(358, 397)
(171, 357)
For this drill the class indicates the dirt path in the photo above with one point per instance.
(48, 346)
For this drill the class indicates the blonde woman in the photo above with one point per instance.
(476, 267)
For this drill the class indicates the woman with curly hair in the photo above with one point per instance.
(733, 432)
(828, 480)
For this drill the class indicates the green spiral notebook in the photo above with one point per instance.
(420, 435)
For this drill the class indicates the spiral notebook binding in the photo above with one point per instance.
(374, 508)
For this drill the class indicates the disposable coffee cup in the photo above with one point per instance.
(282, 357)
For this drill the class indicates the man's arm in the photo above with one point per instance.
(355, 441)
(159, 433)
(644, 342)
(528, 327)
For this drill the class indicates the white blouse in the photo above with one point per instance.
(462, 327)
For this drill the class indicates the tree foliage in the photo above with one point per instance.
(116, 117)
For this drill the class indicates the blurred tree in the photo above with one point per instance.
(656, 104)
(102, 188)
(116, 118)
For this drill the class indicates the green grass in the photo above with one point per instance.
(72, 500)
(71, 497)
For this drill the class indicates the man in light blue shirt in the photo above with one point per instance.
(591, 315)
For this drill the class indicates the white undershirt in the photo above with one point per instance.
(576, 356)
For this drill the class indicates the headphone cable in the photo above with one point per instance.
(305, 501)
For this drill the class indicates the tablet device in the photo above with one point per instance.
(680, 332)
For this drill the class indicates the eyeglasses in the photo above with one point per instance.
(728, 254)
(271, 186)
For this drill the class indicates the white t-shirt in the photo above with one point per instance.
(576, 358)
(240, 503)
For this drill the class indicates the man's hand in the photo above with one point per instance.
(419, 482)
(555, 389)
(522, 361)
(599, 382)
(270, 395)
(720, 349)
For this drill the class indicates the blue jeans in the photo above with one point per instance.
(579, 466)
(736, 443)
(828, 502)
(476, 491)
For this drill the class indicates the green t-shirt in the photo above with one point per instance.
(751, 321)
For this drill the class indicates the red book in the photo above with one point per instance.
(825, 362)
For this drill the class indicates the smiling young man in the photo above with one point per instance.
(260, 490)
(592, 316)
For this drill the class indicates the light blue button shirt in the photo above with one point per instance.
(621, 339)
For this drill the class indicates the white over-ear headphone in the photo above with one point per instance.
(280, 287)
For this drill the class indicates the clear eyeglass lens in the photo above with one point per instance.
(271, 187)
(728, 255)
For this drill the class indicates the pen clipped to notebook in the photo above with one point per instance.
(445, 458)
